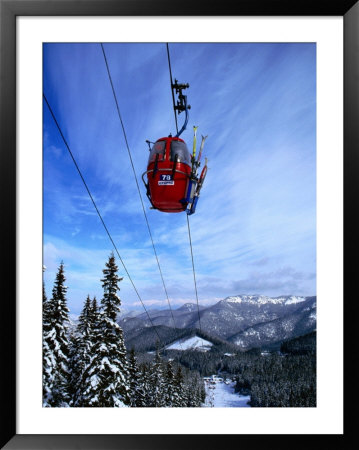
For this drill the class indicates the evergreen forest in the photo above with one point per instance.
(89, 364)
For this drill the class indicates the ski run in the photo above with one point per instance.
(220, 394)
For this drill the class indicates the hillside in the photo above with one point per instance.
(246, 321)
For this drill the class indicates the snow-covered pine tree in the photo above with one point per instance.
(146, 385)
(186, 393)
(48, 361)
(157, 386)
(87, 384)
(96, 337)
(108, 371)
(136, 394)
(56, 342)
(179, 398)
(44, 296)
(95, 324)
(82, 342)
(194, 390)
(170, 393)
(74, 366)
(201, 391)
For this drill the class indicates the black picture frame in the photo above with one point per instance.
(9, 10)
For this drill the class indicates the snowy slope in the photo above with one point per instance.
(221, 395)
(194, 342)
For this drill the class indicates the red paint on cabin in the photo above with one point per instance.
(168, 184)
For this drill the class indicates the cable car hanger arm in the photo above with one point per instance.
(181, 103)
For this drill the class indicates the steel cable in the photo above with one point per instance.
(99, 214)
(137, 184)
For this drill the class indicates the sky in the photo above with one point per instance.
(254, 230)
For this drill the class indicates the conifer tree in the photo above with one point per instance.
(202, 391)
(82, 343)
(95, 323)
(195, 394)
(179, 399)
(74, 367)
(108, 371)
(170, 393)
(48, 361)
(56, 343)
(157, 386)
(187, 393)
(146, 385)
(91, 340)
(136, 394)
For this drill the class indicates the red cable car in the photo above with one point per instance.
(172, 181)
(168, 173)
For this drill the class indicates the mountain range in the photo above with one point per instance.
(245, 321)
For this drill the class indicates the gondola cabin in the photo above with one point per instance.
(168, 174)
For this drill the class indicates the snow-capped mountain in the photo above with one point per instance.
(292, 325)
(183, 317)
(128, 313)
(235, 314)
(245, 320)
(189, 307)
(263, 299)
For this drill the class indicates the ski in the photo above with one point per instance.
(194, 141)
(201, 148)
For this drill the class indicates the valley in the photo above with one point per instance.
(244, 351)
(269, 360)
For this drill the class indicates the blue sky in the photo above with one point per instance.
(254, 231)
